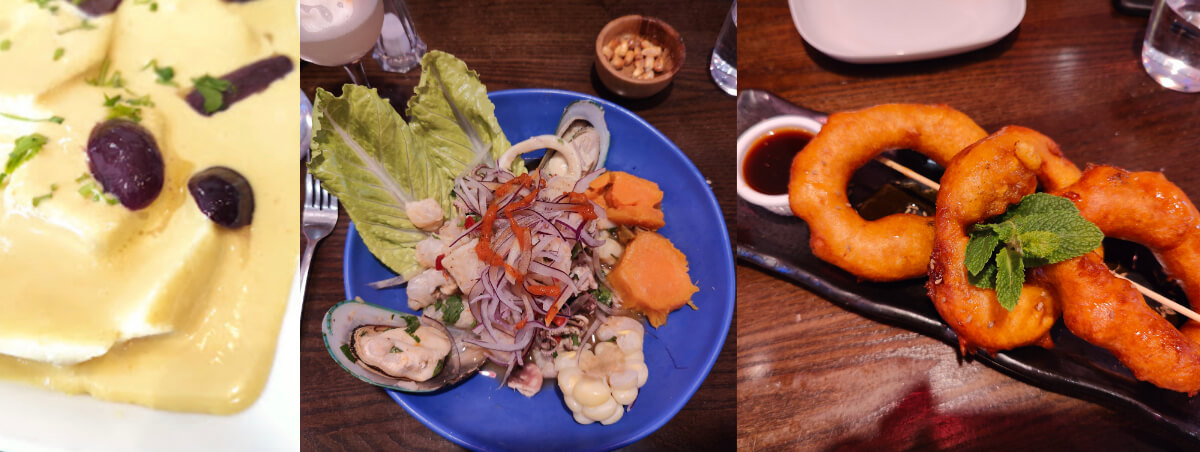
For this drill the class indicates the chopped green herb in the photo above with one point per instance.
(575, 339)
(1040, 230)
(38, 200)
(83, 177)
(395, 350)
(93, 192)
(412, 323)
(451, 309)
(128, 108)
(349, 355)
(603, 295)
(166, 74)
(53, 119)
(58, 53)
(83, 25)
(575, 250)
(554, 355)
(213, 90)
(5, 45)
(104, 78)
(153, 4)
(24, 148)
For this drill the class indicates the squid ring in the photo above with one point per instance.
(980, 183)
(1109, 312)
(891, 248)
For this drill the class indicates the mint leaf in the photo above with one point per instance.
(1010, 275)
(1076, 235)
(1039, 203)
(980, 249)
(986, 279)
(1038, 244)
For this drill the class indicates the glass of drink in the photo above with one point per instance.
(1171, 50)
(399, 48)
(340, 33)
(723, 66)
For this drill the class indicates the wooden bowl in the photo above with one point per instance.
(658, 32)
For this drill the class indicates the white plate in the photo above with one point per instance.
(889, 31)
(32, 419)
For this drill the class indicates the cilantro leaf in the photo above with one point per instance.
(53, 119)
(412, 323)
(452, 309)
(213, 90)
(349, 354)
(1010, 276)
(5, 45)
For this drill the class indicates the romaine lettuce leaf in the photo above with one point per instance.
(364, 153)
(454, 119)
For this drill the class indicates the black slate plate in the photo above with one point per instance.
(779, 245)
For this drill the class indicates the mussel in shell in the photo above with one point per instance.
(582, 124)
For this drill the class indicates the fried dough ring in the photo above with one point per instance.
(980, 183)
(1104, 310)
(891, 248)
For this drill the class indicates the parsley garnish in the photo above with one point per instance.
(38, 200)
(349, 355)
(53, 119)
(5, 45)
(131, 108)
(1042, 229)
(58, 53)
(83, 25)
(166, 74)
(412, 323)
(89, 190)
(24, 148)
(395, 350)
(106, 79)
(213, 90)
(153, 4)
(575, 339)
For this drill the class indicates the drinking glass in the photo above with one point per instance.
(399, 48)
(340, 33)
(1171, 50)
(723, 66)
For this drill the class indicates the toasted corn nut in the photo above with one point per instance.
(618, 63)
(637, 72)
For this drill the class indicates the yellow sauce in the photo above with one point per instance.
(183, 314)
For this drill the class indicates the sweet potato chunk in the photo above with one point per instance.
(628, 200)
(652, 277)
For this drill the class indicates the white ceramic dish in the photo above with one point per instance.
(775, 203)
(889, 31)
(38, 420)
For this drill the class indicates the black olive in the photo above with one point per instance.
(125, 160)
(245, 81)
(96, 8)
(224, 195)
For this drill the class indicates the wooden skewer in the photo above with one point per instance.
(1143, 289)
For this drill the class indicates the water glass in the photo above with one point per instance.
(399, 48)
(723, 66)
(1171, 50)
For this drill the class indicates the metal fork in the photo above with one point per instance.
(320, 215)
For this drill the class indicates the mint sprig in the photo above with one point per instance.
(1040, 230)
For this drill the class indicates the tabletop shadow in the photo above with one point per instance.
(632, 104)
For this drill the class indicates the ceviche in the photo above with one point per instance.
(544, 267)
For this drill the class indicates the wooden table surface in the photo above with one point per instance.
(814, 376)
(528, 44)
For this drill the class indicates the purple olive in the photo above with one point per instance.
(96, 8)
(224, 195)
(125, 160)
(245, 81)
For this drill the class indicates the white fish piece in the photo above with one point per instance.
(425, 214)
(423, 289)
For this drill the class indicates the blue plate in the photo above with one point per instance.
(478, 414)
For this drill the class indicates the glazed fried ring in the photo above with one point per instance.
(1109, 312)
(980, 183)
(891, 248)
